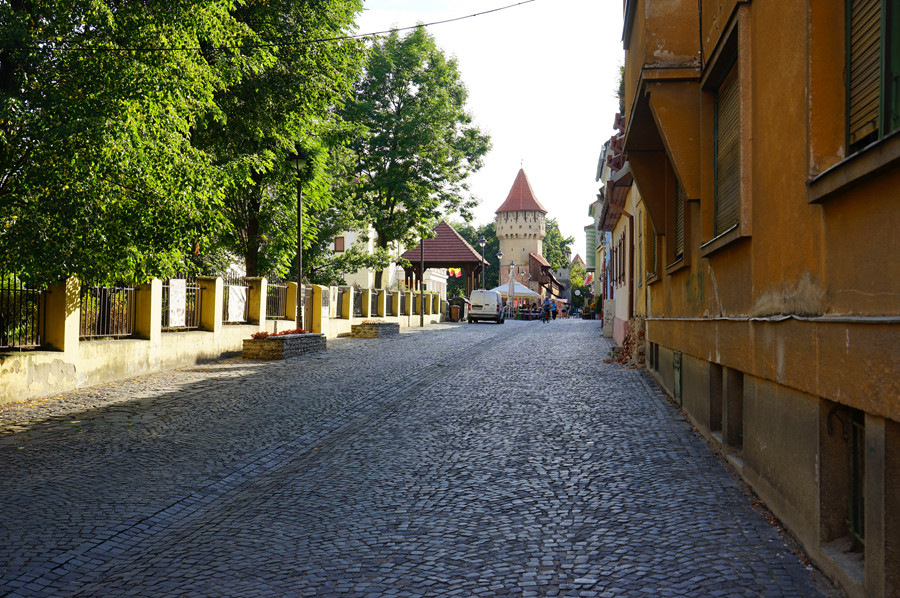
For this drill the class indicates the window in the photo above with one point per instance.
(873, 76)
(680, 198)
(339, 244)
(727, 154)
(856, 503)
(640, 247)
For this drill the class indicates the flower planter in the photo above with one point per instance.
(374, 329)
(283, 347)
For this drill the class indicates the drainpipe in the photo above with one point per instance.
(630, 265)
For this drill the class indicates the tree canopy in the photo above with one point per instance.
(285, 102)
(125, 127)
(419, 143)
(556, 247)
(457, 286)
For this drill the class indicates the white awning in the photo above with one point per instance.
(520, 291)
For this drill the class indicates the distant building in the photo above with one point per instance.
(520, 224)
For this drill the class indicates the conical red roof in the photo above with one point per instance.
(521, 197)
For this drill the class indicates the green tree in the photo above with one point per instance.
(556, 247)
(420, 143)
(457, 286)
(98, 176)
(576, 275)
(289, 99)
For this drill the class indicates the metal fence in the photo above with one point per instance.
(107, 311)
(276, 301)
(339, 308)
(308, 308)
(388, 303)
(236, 304)
(402, 303)
(357, 303)
(181, 304)
(373, 303)
(21, 314)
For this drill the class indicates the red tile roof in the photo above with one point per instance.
(540, 259)
(521, 197)
(447, 247)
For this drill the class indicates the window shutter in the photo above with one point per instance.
(864, 83)
(728, 153)
(679, 220)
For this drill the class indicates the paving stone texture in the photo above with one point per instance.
(443, 462)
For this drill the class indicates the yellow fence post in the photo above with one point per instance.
(212, 293)
(257, 299)
(63, 315)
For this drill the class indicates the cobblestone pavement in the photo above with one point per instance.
(463, 460)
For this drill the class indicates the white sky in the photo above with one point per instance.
(542, 82)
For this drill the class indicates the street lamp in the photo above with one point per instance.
(482, 241)
(298, 161)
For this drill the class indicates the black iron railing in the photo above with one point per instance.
(236, 304)
(107, 311)
(21, 314)
(308, 308)
(276, 301)
(181, 303)
(373, 302)
(357, 303)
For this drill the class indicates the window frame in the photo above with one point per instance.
(724, 58)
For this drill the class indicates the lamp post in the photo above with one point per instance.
(298, 161)
(482, 242)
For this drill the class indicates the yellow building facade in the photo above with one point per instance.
(763, 137)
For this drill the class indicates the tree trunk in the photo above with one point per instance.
(379, 274)
(251, 257)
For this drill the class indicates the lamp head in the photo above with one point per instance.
(482, 241)
(298, 158)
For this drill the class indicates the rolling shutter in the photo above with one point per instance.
(679, 220)
(728, 153)
(864, 100)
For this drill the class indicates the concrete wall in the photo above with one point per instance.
(70, 363)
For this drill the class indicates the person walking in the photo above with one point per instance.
(553, 309)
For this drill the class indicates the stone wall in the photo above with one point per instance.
(375, 329)
(283, 347)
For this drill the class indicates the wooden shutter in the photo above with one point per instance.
(728, 153)
(864, 85)
(679, 220)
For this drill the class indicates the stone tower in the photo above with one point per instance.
(520, 229)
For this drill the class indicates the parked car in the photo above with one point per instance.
(486, 305)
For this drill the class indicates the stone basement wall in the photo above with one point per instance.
(632, 352)
(375, 329)
(283, 347)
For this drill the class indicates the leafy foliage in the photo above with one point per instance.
(419, 143)
(127, 130)
(556, 247)
(97, 171)
(285, 101)
(457, 286)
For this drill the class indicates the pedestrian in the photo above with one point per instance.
(545, 310)
(554, 309)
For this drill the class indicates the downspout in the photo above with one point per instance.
(630, 265)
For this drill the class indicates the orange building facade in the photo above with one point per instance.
(763, 136)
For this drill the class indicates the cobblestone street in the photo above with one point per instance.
(445, 462)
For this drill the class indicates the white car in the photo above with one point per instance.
(486, 305)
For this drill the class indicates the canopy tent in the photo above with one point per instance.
(520, 291)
